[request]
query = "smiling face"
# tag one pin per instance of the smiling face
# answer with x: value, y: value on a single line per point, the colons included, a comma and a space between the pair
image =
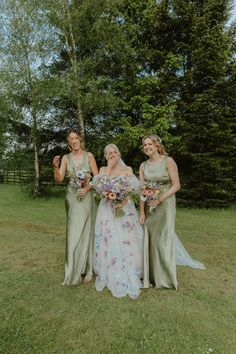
x: 111, y: 154
x: 149, y: 147
x: 74, y: 141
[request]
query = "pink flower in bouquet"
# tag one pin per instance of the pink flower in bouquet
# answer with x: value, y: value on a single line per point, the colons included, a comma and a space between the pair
x: 116, y: 190
x: 151, y: 191
x: 144, y: 192
x: 112, y: 196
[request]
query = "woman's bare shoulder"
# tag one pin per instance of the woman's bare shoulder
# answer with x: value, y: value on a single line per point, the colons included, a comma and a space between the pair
x: 64, y: 158
x: 127, y: 170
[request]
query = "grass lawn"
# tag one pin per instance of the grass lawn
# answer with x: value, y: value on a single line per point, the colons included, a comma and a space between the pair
x: 39, y: 315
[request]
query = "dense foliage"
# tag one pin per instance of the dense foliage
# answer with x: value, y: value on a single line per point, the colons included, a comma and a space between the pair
x: 118, y: 70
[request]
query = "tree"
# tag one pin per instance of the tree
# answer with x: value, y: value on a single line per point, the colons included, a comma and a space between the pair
x: 120, y: 69
x: 206, y: 103
x: 24, y: 47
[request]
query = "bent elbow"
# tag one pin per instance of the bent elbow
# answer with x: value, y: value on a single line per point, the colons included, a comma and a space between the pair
x: 58, y: 180
x: 177, y: 187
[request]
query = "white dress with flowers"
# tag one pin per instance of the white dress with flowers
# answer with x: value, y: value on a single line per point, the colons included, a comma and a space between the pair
x: 118, y: 248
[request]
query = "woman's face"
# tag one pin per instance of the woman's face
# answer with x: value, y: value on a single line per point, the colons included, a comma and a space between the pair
x: 112, y: 154
x: 74, y: 141
x: 149, y: 147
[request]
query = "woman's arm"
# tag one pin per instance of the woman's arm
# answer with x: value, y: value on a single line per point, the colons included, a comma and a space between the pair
x: 141, y: 203
x: 174, y: 177
x: 59, y: 173
x: 172, y: 170
x: 93, y: 164
x: 111, y: 162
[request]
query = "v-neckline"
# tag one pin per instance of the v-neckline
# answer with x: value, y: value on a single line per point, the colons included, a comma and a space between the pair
x: 73, y: 163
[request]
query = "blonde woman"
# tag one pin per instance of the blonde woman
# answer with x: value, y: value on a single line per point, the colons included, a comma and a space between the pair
x: 159, y: 180
x: 118, y: 235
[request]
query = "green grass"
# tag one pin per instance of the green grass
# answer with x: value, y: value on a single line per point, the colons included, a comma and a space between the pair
x: 38, y: 315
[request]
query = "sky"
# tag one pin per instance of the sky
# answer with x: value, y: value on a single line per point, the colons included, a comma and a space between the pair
x: 234, y: 11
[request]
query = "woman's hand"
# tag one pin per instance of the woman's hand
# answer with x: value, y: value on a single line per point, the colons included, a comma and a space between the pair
x: 56, y: 161
x: 112, y: 161
x: 81, y: 193
x: 59, y: 172
x: 154, y: 202
x: 142, y: 217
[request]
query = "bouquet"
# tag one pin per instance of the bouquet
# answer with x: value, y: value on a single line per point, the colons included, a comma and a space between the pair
x: 115, y: 190
x: 151, y: 190
x: 79, y: 179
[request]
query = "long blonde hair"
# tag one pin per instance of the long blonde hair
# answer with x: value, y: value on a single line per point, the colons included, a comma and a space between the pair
x: 157, y: 141
x: 111, y: 146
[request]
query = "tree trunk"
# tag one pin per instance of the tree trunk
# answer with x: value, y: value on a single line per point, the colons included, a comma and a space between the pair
x: 36, y: 155
x: 72, y: 52
x: 36, y: 168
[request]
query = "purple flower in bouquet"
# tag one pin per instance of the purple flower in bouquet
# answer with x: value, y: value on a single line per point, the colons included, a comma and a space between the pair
x: 78, y: 179
x: 115, y: 190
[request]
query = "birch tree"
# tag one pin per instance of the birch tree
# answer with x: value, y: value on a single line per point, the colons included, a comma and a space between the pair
x: 23, y: 51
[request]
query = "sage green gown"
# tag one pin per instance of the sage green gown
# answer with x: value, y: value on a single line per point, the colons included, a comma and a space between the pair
x: 79, y: 230
x: 159, y: 239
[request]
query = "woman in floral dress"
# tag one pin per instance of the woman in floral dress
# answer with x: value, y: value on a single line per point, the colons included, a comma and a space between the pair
x: 78, y: 165
x: 118, y: 234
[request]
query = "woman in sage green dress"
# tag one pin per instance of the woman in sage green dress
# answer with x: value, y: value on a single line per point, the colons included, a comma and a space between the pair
x: 162, y: 249
x: 78, y: 165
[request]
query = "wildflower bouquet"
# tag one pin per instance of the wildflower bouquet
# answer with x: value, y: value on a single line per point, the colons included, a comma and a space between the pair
x: 151, y: 190
x: 115, y: 190
x: 79, y: 179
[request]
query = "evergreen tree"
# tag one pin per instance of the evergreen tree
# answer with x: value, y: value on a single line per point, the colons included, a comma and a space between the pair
x: 120, y: 86
x: 205, y: 112
x: 146, y: 92
x: 120, y: 69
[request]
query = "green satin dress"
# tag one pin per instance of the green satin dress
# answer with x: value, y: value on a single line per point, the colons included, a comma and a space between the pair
x: 159, y: 239
x: 79, y: 230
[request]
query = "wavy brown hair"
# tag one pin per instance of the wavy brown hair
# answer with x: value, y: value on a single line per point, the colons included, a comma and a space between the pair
x: 77, y: 132
x: 157, y: 141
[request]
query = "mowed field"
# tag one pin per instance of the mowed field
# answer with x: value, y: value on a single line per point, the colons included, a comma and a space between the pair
x: 39, y: 315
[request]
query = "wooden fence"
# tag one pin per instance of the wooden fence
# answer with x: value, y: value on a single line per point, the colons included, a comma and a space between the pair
x: 16, y: 176
x: 25, y: 177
